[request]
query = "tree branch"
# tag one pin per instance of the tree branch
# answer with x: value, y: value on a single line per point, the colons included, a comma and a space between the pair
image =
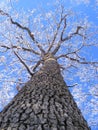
x: 24, y: 28
x: 77, y: 60
x: 72, y: 34
x: 26, y: 66
x: 25, y: 49
x: 63, y: 18
x: 73, y: 52
x: 67, y: 38
x: 70, y: 86
x: 38, y: 63
x: 62, y: 33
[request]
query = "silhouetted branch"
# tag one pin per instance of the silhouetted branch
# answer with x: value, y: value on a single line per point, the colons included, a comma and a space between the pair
x: 24, y: 28
x: 56, y: 49
x: 17, y: 47
x: 21, y: 60
x: 70, y: 86
x: 77, y: 60
x: 72, y: 34
x: 65, y: 24
x: 67, y: 38
x: 26, y: 66
x: 73, y: 52
x: 37, y: 64
x: 63, y: 18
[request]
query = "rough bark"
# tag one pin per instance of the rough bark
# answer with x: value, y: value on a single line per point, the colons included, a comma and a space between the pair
x: 44, y: 103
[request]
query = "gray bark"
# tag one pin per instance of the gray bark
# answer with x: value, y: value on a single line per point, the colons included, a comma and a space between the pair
x: 44, y: 103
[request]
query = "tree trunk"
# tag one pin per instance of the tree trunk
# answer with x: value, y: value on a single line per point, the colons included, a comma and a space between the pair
x: 44, y: 103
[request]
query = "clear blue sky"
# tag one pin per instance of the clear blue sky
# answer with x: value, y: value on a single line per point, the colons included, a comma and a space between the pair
x: 84, y: 8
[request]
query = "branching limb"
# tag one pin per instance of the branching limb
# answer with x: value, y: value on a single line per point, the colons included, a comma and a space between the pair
x: 68, y: 37
x: 72, y: 34
x: 30, y: 50
x: 24, y: 28
x: 26, y: 66
x: 63, y: 18
x: 77, y: 60
x: 73, y: 52
x: 17, y: 47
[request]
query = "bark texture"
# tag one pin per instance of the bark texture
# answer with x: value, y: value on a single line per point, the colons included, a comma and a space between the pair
x: 44, y: 103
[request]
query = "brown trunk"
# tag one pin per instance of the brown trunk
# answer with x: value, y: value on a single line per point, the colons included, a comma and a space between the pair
x: 44, y: 103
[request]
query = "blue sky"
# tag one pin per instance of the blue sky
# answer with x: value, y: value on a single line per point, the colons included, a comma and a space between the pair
x: 87, y: 9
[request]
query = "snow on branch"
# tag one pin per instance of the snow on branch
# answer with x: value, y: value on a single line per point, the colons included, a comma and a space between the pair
x: 95, y: 63
x: 68, y: 37
x: 25, y: 49
x: 26, y: 66
x: 30, y: 71
x: 24, y: 28
x: 63, y: 18
x: 72, y: 34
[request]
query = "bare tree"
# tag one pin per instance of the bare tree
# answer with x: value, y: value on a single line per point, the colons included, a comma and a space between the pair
x: 27, y: 40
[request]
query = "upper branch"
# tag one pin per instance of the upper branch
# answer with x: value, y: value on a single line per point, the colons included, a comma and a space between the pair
x: 68, y: 37
x: 63, y: 18
x: 16, y: 47
x: 83, y: 61
x: 24, y: 28
x: 72, y: 34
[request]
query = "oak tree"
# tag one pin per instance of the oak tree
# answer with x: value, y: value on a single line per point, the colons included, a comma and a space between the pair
x: 28, y: 39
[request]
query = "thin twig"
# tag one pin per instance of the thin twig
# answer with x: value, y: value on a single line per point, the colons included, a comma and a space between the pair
x: 17, y: 47
x: 77, y: 60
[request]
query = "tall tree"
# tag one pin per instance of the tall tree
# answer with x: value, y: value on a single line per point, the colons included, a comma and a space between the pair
x: 25, y: 41
x: 44, y: 103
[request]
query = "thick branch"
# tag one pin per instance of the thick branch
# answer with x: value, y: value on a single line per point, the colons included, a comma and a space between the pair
x: 26, y: 66
x: 57, y: 48
x: 24, y: 28
x: 37, y: 64
x: 65, y: 24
